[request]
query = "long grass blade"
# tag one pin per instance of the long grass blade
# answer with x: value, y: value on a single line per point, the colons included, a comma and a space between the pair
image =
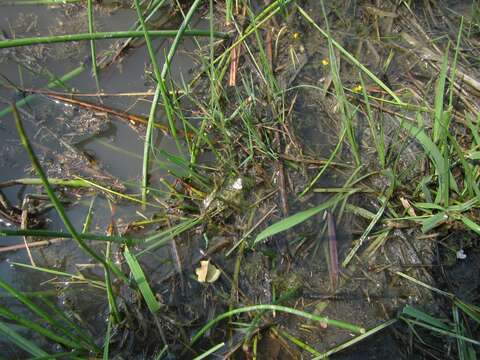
x: 439, y: 124
x: 148, y: 141
x: 9, y: 43
x: 320, y: 319
x: 22, y: 321
x: 93, y: 51
x: 296, y: 219
x: 139, y: 276
x: 350, y: 57
x: 20, y: 341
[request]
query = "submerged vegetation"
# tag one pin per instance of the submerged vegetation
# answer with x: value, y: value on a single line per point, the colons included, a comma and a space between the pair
x: 320, y: 189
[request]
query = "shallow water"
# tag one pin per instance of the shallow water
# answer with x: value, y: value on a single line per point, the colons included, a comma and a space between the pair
x: 42, y: 117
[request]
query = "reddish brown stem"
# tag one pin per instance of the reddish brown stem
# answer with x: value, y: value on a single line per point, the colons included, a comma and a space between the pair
x: 332, y: 245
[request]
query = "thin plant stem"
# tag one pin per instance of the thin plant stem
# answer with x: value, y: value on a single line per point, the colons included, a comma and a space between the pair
x: 103, y: 35
x: 91, y: 30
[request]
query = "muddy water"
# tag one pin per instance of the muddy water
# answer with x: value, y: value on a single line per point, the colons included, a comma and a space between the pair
x: 51, y: 124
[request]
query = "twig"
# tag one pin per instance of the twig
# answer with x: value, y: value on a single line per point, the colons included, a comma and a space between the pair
x: 121, y: 114
x: 4, y: 249
x: 232, y: 79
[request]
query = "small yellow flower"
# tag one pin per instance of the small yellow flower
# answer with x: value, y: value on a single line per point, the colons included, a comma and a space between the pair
x: 296, y: 35
x: 325, y: 62
x: 357, y: 89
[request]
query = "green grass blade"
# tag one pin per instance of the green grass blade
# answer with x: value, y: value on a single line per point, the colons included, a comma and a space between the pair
x: 445, y: 178
x: 471, y: 310
x: 439, y: 124
x: 161, y: 84
x: 147, y: 145
x: 327, y: 164
x: 372, y: 223
x: 209, y: 351
x: 93, y: 51
x: 433, y: 221
x: 470, y: 224
x: 296, y: 219
x: 346, y: 113
x: 73, y: 329
x: 9, y: 43
x: 376, y: 129
x: 106, y: 343
x: 323, y: 320
x: 424, y: 317
x: 22, y: 321
x: 74, y: 183
x: 356, y: 339
x: 33, y: 307
x: 20, y: 341
x: 164, y: 237
x: 88, y: 217
x: 141, y: 280
x: 299, y: 343
x: 442, y: 331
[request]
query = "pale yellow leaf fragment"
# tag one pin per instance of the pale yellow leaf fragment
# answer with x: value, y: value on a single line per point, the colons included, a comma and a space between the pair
x: 407, y: 206
x: 207, y: 272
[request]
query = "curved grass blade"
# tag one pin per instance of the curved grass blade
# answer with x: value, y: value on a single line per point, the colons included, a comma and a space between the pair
x: 161, y: 85
x: 322, y: 320
x: 209, y: 351
x: 372, y: 223
x: 445, y: 177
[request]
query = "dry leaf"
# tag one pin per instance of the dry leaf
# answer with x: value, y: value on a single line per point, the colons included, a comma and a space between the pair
x: 207, y: 272
x: 407, y: 206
